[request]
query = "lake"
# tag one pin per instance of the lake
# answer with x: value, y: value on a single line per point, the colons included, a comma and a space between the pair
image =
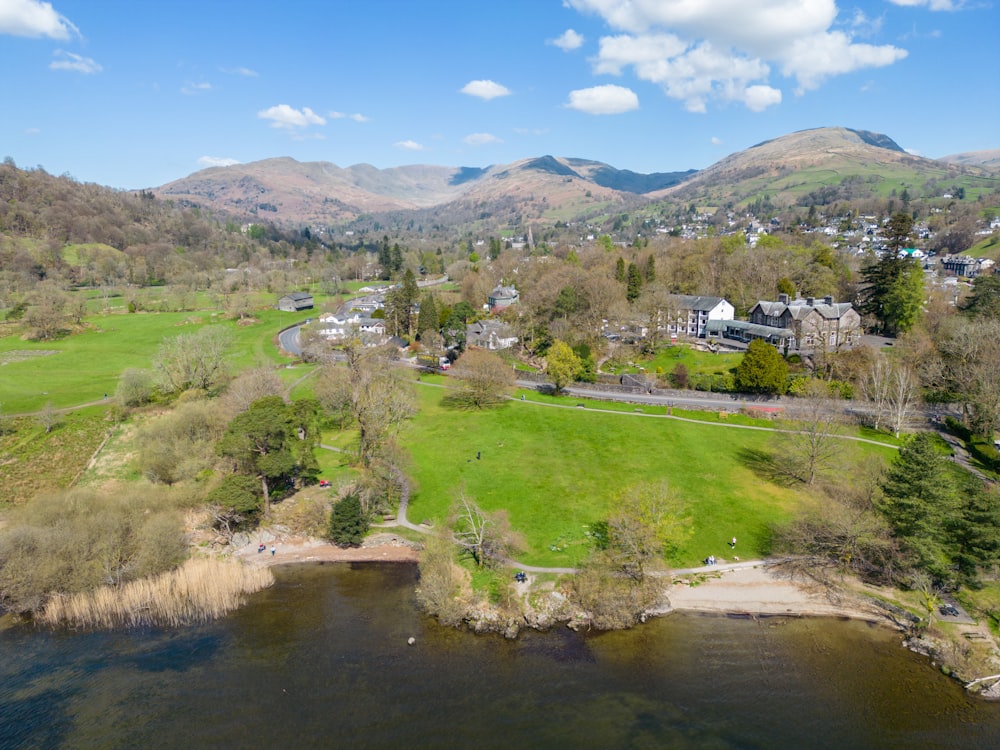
x: 321, y: 660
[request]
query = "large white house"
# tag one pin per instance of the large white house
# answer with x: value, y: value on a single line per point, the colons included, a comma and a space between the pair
x: 688, y: 314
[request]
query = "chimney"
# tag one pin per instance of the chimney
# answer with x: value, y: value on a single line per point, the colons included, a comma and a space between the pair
x: 811, y: 301
x: 783, y: 299
x: 828, y: 300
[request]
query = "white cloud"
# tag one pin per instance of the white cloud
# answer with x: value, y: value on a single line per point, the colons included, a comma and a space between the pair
x: 715, y: 141
x: 408, y: 146
x: 481, y: 139
x: 32, y: 18
x: 863, y: 25
x: 357, y: 116
x: 246, y: 72
x: 603, y: 100
x: 190, y: 89
x: 567, y: 41
x: 75, y: 63
x: 289, y: 118
x: 931, y: 4
x: 216, y: 161
x: 758, y: 97
x: 724, y: 50
x: 485, y: 89
x: 833, y: 53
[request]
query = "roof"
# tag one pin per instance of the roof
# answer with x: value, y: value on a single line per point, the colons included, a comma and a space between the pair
x: 697, y: 302
x: 504, y: 292
x: 297, y: 296
x: 800, y: 308
x: 755, y: 329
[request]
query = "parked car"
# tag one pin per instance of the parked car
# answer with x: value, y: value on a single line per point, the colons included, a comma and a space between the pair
x: 949, y: 610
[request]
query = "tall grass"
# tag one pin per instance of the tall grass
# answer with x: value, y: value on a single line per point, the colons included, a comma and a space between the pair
x: 198, y: 591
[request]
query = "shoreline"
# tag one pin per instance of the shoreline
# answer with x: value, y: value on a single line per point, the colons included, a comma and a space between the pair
x: 758, y: 590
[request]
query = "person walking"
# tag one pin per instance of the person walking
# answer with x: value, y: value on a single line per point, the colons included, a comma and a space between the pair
x: 733, y: 543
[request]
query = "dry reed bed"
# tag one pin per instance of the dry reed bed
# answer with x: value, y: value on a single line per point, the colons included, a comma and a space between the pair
x: 198, y: 591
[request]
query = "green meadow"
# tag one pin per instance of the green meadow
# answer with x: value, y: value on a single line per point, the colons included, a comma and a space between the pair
x: 556, y: 471
x: 83, y: 367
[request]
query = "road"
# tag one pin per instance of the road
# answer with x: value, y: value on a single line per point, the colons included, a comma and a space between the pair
x: 289, y: 340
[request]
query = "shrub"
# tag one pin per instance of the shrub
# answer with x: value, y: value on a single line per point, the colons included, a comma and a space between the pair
x: 74, y: 542
x: 348, y: 524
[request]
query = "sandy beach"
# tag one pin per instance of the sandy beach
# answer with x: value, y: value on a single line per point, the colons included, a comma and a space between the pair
x: 763, y: 590
x: 377, y: 548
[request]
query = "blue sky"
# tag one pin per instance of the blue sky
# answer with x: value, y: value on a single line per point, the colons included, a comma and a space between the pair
x: 138, y: 93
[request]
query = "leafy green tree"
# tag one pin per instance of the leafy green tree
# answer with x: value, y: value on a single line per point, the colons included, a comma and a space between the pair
x: 898, y: 231
x: 238, y: 499
x: 588, y: 367
x: 427, y: 319
x: 893, y: 293
x: 762, y: 370
x: 984, y: 302
x: 786, y: 286
x: 921, y: 504
x: 650, y: 522
x: 567, y: 303
x: 348, y: 523
x: 978, y: 531
x: 649, y: 272
x: 633, y: 283
x: 562, y: 364
x: 620, y: 269
x: 264, y: 441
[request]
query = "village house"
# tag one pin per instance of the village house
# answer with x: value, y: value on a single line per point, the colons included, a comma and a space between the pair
x: 963, y: 265
x: 689, y: 314
x: 338, y: 328
x: 502, y: 297
x: 369, y: 303
x: 490, y: 334
x: 295, y: 301
x: 808, y: 324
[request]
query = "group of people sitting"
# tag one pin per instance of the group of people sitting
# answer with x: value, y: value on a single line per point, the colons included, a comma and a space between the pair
x: 710, y: 560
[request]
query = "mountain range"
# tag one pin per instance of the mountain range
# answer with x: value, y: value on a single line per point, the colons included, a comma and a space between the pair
x: 811, y: 166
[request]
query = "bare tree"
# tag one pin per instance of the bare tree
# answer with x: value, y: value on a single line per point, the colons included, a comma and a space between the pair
x: 192, y: 360
x: 251, y: 385
x: 813, y: 445
x: 380, y: 398
x: 903, y: 397
x: 487, y: 537
x: 48, y: 417
x: 971, y: 353
x: 485, y: 378
x: 874, y: 386
x: 46, y: 313
x: 892, y: 391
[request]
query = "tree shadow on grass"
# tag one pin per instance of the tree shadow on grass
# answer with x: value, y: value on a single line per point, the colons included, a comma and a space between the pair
x: 767, y: 465
x: 459, y: 402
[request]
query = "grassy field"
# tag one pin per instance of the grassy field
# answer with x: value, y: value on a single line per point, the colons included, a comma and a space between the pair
x: 33, y: 461
x: 558, y: 470
x: 82, y: 368
x: 697, y: 362
x: 988, y: 247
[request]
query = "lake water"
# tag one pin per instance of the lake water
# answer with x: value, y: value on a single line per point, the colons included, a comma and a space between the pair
x: 321, y: 660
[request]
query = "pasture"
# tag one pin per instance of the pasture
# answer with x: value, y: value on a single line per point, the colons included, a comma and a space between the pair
x: 83, y: 367
x: 558, y: 470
